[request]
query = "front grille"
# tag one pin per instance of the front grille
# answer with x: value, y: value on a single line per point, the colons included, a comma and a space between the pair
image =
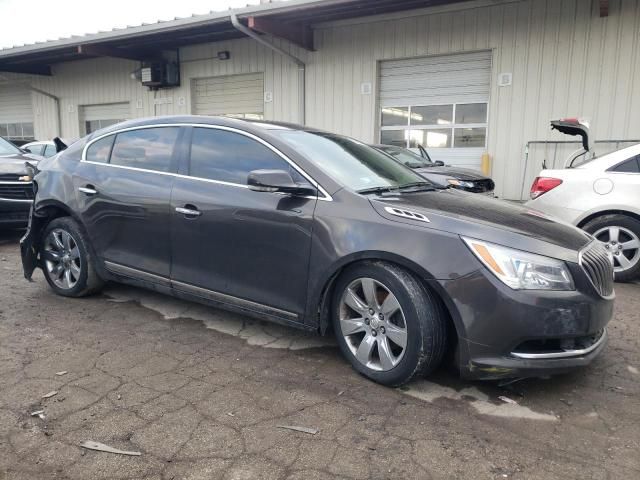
x: 9, y: 177
x: 596, y: 263
x: 16, y: 191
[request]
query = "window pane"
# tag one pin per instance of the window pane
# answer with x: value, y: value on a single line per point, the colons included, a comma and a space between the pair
x: 49, y: 150
x: 27, y: 130
x: 471, y: 113
x: 393, y: 137
x: 151, y: 148
x: 432, y: 115
x: 35, y: 149
x: 229, y: 157
x: 430, y: 138
x: 100, y: 150
x: 91, y: 126
x: 628, y: 166
x: 470, y: 137
x: 3, y: 130
x: 395, y: 116
x: 14, y: 130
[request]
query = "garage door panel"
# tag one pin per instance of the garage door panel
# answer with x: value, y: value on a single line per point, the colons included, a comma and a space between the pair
x: 229, y: 95
x: 15, y: 104
x: 443, y: 80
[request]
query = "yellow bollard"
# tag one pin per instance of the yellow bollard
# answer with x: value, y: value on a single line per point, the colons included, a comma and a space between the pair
x: 485, y: 164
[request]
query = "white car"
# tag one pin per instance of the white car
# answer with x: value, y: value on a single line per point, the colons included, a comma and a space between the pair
x: 601, y: 196
x: 45, y: 148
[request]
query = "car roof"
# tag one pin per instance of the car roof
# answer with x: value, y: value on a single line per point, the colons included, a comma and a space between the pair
x: 610, y: 159
x: 242, y: 124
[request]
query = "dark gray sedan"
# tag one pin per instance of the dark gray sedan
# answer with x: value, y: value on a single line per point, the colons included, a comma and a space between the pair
x: 321, y: 232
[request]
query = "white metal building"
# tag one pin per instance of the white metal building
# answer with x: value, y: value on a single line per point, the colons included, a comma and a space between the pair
x: 460, y: 77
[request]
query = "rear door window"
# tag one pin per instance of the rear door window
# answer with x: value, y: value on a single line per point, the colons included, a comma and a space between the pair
x: 148, y: 149
x: 229, y: 157
x: 100, y: 150
x: 631, y: 165
x: 49, y: 150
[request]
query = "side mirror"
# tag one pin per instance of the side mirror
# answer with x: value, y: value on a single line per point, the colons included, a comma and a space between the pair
x: 439, y: 163
x: 277, y: 181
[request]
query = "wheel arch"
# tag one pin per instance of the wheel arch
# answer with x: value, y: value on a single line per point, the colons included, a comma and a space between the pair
x: 602, y: 213
x: 321, y: 302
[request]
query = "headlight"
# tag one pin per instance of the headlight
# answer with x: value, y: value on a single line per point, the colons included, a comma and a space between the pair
x: 459, y: 183
x: 521, y: 270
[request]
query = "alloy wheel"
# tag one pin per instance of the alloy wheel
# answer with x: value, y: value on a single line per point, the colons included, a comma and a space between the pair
x: 62, y: 258
x: 622, y: 244
x: 373, y: 324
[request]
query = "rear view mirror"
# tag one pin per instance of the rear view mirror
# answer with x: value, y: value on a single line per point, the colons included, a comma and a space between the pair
x: 277, y: 181
x: 439, y: 163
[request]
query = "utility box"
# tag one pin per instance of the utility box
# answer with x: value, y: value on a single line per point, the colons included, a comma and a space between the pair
x: 160, y: 74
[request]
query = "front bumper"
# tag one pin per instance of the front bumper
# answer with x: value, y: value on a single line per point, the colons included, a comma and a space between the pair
x: 14, y: 213
x: 505, y: 333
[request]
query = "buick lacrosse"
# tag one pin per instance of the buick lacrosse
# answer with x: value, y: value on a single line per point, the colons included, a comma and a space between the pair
x: 322, y: 232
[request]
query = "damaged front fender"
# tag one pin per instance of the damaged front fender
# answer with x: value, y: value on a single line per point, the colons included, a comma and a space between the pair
x: 30, y: 241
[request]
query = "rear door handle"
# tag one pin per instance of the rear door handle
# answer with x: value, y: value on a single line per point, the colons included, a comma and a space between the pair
x: 88, y: 190
x: 189, y: 211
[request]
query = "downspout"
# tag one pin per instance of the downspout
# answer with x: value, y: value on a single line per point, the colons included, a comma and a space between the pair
x: 57, y: 101
x: 301, y: 65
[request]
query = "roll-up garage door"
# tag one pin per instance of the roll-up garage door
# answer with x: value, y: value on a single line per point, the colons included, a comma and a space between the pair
x: 95, y: 117
x: 16, y: 113
x: 233, y: 95
x: 440, y: 102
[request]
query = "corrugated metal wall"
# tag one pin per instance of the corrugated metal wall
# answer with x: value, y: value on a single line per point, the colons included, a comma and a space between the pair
x: 565, y: 61
x: 108, y: 80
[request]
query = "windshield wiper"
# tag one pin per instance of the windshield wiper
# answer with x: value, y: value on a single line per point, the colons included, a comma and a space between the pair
x: 377, y: 190
x: 417, y: 186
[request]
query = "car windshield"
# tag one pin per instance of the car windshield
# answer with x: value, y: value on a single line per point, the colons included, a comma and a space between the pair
x: 407, y: 157
x: 351, y: 163
x: 7, y: 148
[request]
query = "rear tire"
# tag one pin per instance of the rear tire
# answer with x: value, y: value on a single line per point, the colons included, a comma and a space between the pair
x: 387, y: 324
x: 67, y: 262
x: 621, y: 236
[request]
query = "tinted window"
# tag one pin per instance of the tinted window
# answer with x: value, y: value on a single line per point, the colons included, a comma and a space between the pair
x: 100, y: 150
x: 628, y: 166
x: 229, y: 157
x: 49, y: 150
x: 150, y: 148
x: 35, y: 149
x: 407, y: 157
x: 352, y: 163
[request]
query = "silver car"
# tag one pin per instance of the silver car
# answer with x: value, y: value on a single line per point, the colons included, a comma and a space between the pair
x: 602, y: 196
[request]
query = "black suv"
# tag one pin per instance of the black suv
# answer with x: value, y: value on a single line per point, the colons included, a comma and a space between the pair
x: 16, y: 190
x: 321, y: 232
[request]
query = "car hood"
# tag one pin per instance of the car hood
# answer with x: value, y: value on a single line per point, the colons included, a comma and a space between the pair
x: 489, y: 219
x: 14, y: 164
x: 454, y: 172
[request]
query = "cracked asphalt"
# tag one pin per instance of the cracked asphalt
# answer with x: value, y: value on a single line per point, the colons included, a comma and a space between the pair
x: 201, y: 398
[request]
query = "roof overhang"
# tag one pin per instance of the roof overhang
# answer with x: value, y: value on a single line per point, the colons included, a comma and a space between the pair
x: 292, y: 20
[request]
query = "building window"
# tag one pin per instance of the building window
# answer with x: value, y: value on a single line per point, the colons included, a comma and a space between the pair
x: 93, y: 125
x: 246, y: 116
x: 22, y: 132
x: 454, y: 125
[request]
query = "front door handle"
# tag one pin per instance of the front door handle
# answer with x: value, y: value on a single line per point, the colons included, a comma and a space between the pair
x: 189, y: 211
x: 88, y: 190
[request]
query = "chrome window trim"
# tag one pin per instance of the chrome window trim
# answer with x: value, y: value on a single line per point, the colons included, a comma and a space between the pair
x: 565, y: 353
x: 325, y: 195
x: 14, y: 183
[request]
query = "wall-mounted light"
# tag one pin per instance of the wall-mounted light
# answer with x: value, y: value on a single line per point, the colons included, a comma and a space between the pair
x: 224, y: 55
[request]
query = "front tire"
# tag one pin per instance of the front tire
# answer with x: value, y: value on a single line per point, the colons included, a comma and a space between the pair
x: 67, y: 261
x: 621, y: 236
x: 388, y: 325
